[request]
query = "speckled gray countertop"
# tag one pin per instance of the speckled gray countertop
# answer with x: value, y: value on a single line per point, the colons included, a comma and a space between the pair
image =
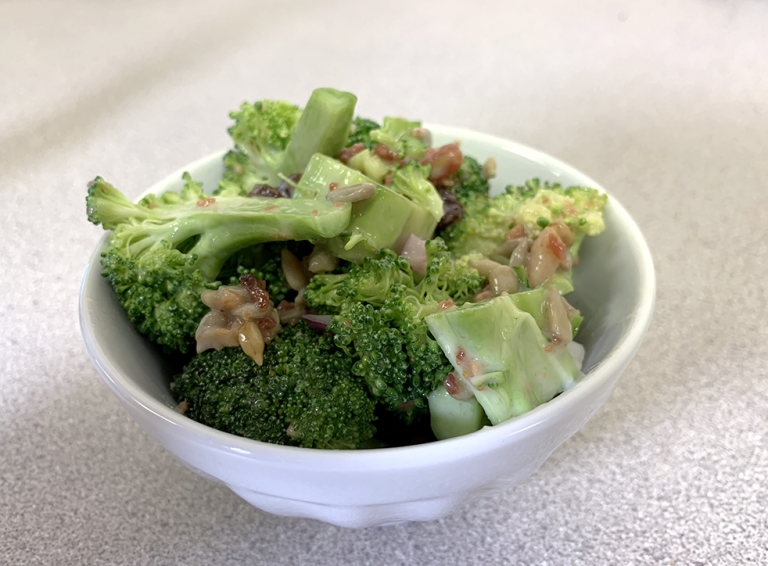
x: 666, y: 103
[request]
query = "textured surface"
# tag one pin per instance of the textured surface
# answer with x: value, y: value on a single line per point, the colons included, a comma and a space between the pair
x: 665, y: 102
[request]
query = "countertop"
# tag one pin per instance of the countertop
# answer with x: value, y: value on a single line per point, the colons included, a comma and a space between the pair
x: 665, y: 103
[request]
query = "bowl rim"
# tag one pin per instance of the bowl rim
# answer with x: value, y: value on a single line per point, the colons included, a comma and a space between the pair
x: 404, y: 456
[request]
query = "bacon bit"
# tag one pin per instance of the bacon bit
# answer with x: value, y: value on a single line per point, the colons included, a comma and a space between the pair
x: 451, y: 385
x: 474, y: 368
x: 266, y: 323
x: 385, y: 153
x: 315, y: 212
x: 349, y: 152
x: 271, y: 207
x: 445, y: 161
x: 446, y: 305
x: 203, y: 202
x: 256, y: 289
x: 557, y: 247
x: 484, y: 295
x: 285, y: 306
x: 460, y: 356
x: 332, y: 187
x: 407, y: 405
x: 548, y: 348
x: 388, y: 179
x: 516, y: 232
x: 153, y: 205
x: 338, y: 205
x: 563, y: 231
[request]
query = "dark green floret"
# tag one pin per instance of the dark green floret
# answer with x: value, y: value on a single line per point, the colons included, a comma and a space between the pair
x: 381, y: 306
x: 470, y: 181
x: 360, y: 132
x: 304, y: 395
x: 264, y: 262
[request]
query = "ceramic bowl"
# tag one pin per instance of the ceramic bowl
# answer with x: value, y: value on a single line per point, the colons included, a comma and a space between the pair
x: 615, y: 289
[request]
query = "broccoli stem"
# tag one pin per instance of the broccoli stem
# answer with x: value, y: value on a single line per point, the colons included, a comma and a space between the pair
x: 322, y: 128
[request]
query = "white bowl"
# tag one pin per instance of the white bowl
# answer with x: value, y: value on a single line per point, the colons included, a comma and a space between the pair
x: 615, y: 289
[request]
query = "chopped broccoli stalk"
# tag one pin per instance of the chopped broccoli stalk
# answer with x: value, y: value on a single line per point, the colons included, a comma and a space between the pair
x: 275, y: 137
x: 323, y: 128
x: 303, y: 395
x: 412, y: 181
x: 160, y: 259
x: 450, y: 417
x: 396, y: 134
x: 532, y: 301
x: 360, y: 132
x: 366, y: 233
x: 371, y: 165
x: 321, y: 171
x: 516, y: 372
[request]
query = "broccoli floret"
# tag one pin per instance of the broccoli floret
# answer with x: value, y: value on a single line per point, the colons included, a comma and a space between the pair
x: 261, y: 133
x: 158, y: 290
x: 192, y: 192
x: 469, y: 181
x: 534, y: 205
x: 274, y: 138
x: 304, y: 394
x: 483, y: 226
x: 380, y: 321
x: 160, y: 259
x: 581, y: 208
x: 377, y: 279
x: 360, y: 132
x: 370, y: 281
x: 397, y: 135
x: 448, y: 279
x: 412, y: 181
x: 397, y: 357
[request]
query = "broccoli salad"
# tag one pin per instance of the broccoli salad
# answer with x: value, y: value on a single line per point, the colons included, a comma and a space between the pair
x: 349, y: 285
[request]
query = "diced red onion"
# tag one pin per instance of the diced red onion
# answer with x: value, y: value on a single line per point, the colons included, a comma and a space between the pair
x: 318, y: 321
x: 415, y: 251
x: 577, y: 351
